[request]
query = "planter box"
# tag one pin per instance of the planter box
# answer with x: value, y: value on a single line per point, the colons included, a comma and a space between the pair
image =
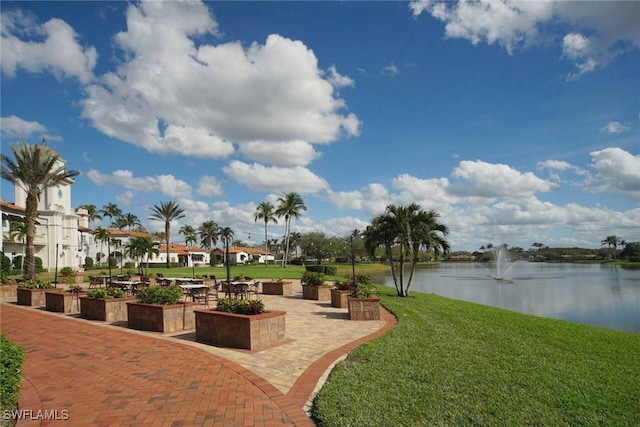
x: 277, y: 288
x: 364, y: 308
x: 319, y: 293
x: 339, y: 298
x: 105, y: 309
x: 255, y: 332
x: 62, y: 302
x: 31, y: 297
x: 8, y: 291
x: 161, y: 318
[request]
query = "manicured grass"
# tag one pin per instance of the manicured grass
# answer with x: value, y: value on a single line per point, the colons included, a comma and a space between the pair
x: 450, y: 363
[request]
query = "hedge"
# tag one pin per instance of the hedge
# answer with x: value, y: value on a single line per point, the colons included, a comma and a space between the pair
x: 11, y: 360
x: 324, y: 269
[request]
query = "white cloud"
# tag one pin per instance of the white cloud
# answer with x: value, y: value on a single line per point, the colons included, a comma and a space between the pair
x: 497, y: 180
x: 209, y: 186
x: 612, y: 26
x: 613, y: 128
x: 15, y: 127
x: 262, y: 178
x: 289, y: 153
x: 390, y: 70
x: 338, y: 80
x: 555, y: 164
x: 617, y: 171
x: 373, y: 199
x: 126, y: 198
x: 173, y: 96
x: 165, y: 184
x: 60, y: 52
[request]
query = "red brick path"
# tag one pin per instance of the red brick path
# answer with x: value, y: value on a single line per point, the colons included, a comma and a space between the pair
x: 106, y: 377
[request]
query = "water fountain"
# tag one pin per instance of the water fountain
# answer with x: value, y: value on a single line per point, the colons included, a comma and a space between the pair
x: 502, y: 263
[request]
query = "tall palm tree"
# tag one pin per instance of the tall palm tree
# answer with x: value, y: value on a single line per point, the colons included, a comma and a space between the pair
x: 36, y: 167
x: 208, y: 234
x: 92, y: 213
x: 408, y: 229
x: 167, y: 212
x: 112, y: 211
x: 190, y: 235
x: 289, y: 206
x: 19, y: 233
x: 265, y: 211
x: 226, y: 234
x: 120, y: 223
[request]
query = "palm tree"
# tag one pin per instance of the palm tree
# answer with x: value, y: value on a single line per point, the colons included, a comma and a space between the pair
x: 289, y: 206
x: 130, y: 220
x: 19, y: 233
x: 226, y: 234
x: 407, y: 228
x: 102, y: 235
x: 167, y: 212
x: 112, y: 211
x: 141, y: 247
x: 208, y: 234
x: 36, y: 167
x: 190, y: 235
x: 265, y: 212
x: 92, y: 213
x: 120, y: 223
x: 612, y: 241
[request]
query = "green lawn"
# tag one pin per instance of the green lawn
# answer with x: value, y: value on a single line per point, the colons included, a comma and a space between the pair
x: 455, y: 363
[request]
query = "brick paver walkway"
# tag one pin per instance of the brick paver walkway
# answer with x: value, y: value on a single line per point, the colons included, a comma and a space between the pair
x: 103, y: 376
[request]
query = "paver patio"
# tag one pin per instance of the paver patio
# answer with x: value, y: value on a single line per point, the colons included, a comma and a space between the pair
x: 108, y: 375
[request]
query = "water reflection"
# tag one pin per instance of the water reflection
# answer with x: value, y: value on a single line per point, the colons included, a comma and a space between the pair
x: 593, y: 294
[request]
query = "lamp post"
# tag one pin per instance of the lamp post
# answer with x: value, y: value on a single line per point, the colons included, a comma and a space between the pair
x: 353, y: 260
x: 55, y: 279
x: 193, y: 267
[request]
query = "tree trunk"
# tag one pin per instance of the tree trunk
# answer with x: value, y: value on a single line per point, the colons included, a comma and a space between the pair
x: 31, y: 211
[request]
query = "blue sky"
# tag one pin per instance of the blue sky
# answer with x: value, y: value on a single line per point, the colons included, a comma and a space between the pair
x: 517, y: 121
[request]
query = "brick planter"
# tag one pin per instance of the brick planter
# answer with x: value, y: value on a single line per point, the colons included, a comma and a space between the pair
x: 8, y: 290
x: 62, y: 302
x: 31, y: 297
x: 319, y: 293
x: 162, y: 318
x: 339, y: 298
x: 255, y: 332
x: 364, y: 308
x: 277, y: 288
x: 105, y: 309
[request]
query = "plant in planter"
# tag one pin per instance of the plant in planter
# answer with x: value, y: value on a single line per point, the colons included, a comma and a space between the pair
x: 278, y: 287
x: 67, y: 301
x: 363, y: 304
x: 161, y: 309
x: 340, y: 293
x: 32, y: 293
x: 106, y: 304
x: 240, y: 324
x: 313, y: 287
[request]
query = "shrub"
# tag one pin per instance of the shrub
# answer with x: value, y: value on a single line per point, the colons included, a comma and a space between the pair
x: 11, y: 360
x: 88, y: 263
x: 241, y: 306
x: 165, y: 295
x: 106, y: 293
x: 314, y: 268
x: 342, y: 286
x: 38, y: 262
x: 330, y: 271
x: 363, y: 286
x: 312, y: 279
x: 34, y: 284
x: 6, y: 263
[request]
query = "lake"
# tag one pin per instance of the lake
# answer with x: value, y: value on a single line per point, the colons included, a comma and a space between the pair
x: 592, y: 294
